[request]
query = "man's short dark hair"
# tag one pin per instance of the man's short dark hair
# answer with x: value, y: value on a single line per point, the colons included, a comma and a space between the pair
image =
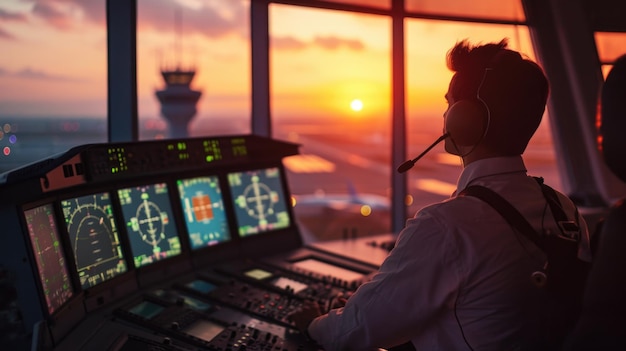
x: 515, y: 90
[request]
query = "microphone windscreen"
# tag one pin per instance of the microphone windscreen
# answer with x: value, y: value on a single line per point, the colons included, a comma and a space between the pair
x: 405, y: 166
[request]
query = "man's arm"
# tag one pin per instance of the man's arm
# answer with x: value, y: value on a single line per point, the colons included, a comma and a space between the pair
x: 419, y: 278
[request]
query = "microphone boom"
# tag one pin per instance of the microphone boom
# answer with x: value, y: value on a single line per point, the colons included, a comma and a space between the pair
x: 410, y: 163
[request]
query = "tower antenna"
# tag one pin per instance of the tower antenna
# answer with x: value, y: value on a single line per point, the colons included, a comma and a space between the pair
x: 178, y: 100
x: 178, y: 36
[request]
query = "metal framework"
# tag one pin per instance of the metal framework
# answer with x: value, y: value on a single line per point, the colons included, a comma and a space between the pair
x: 565, y: 48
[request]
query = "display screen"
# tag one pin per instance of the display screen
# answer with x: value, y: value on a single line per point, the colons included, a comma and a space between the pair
x: 48, y: 252
x: 148, y: 217
x: 203, y: 211
x: 204, y: 329
x: 147, y: 309
x: 285, y: 283
x: 196, y: 304
x: 201, y: 286
x: 258, y: 274
x: 259, y: 201
x: 188, y: 301
x: 94, y: 238
x: 328, y: 269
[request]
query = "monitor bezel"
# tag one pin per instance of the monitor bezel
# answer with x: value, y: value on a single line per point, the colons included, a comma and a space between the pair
x: 168, y: 267
x: 220, y: 181
x: 69, y: 260
x: 108, y: 291
x: 115, y: 215
x: 69, y: 314
x: 273, y: 241
x: 204, y: 256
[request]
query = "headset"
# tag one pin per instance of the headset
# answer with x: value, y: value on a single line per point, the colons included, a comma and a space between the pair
x: 467, y: 121
x: 466, y: 124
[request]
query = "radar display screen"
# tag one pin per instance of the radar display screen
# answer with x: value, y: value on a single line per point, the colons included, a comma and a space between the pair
x: 94, y: 238
x: 147, y: 213
x: 51, y: 264
x: 203, y: 210
x: 259, y: 201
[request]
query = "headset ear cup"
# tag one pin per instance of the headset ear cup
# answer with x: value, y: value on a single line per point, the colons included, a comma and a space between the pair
x: 465, y: 122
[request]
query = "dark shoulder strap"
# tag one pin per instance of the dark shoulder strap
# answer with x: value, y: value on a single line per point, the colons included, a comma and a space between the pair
x: 553, y: 200
x: 506, y: 210
x: 569, y: 229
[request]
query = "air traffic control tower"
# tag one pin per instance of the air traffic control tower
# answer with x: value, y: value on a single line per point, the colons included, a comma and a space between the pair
x: 178, y: 101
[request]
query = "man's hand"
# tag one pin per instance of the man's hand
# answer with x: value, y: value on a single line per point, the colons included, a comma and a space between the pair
x: 340, y: 300
x: 305, y: 314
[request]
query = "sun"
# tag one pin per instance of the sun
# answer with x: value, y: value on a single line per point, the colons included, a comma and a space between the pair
x: 356, y: 105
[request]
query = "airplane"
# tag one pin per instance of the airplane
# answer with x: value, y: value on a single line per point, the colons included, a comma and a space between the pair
x: 365, y: 204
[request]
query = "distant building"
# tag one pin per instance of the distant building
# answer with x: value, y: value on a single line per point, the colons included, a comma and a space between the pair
x: 178, y: 101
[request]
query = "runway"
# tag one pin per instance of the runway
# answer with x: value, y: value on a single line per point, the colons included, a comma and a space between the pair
x: 332, y: 168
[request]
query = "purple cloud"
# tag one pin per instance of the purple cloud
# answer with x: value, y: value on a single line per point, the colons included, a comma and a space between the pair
x: 11, y: 16
x: 328, y: 43
x: 287, y: 43
x: 40, y: 75
x: 48, y: 12
x: 208, y: 20
x: 334, y: 43
x: 6, y: 16
x: 6, y: 35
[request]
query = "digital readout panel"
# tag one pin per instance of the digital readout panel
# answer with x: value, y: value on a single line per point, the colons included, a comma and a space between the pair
x: 48, y: 252
x: 94, y: 238
x: 149, y: 223
x: 259, y: 201
x: 203, y: 211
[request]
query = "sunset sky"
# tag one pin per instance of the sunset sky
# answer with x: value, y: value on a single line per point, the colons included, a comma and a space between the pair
x: 321, y: 60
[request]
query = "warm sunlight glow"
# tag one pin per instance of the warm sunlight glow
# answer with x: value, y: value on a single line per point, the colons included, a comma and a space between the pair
x: 356, y: 105
x: 435, y: 186
x: 366, y: 210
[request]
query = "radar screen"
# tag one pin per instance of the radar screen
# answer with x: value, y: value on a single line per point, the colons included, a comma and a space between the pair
x: 147, y: 213
x: 51, y: 264
x: 203, y: 210
x: 259, y: 201
x: 94, y: 238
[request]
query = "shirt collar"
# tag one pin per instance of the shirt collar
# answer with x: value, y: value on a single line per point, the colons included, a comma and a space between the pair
x: 489, y: 167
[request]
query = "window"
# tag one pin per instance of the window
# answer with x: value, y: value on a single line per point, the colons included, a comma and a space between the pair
x: 330, y: 92
x: 54, y: 80
x: 203, y: 49
x: 610, y: 47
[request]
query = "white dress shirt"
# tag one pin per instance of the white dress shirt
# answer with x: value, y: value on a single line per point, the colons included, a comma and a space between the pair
x: 458, y: 277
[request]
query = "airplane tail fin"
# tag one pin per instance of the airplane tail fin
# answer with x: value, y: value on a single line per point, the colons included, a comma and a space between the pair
x: 354, y: 196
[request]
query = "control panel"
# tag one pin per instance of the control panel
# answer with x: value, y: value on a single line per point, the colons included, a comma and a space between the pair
x: 195, y: 323
x: 164, y: 245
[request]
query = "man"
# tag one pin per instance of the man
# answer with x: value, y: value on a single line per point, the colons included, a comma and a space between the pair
x: 459, y: 276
